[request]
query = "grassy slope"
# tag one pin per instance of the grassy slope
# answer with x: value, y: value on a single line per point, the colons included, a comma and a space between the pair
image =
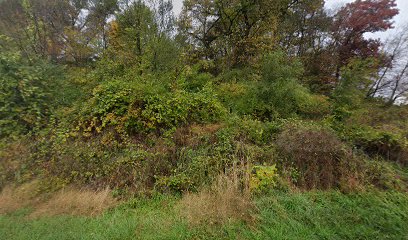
x: 313, y: 215
x: 334, y: 216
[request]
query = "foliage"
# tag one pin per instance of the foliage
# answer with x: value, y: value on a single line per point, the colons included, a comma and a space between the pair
x: 242, y: 96
x: 321, y: 159
x: 28, y: 93
x: 131, y: 108
x: 263, y: 178
x: 282, y: 90
x: 357, y: 18
x: 256, y: 131
x: 140, y: 39
x: 386, y: 175
x: 232, y: 33
x: 273, y: 93
x: 376, y: 142
x: 57, y: 30
x: 355, y: 80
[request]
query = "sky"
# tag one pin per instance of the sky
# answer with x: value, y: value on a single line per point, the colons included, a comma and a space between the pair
x: 400, y: 20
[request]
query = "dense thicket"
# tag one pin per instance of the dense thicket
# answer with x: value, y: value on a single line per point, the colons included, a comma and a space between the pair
x: 126, y: 94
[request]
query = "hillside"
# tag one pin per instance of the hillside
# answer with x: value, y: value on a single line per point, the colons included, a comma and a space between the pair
x: 234, y: 120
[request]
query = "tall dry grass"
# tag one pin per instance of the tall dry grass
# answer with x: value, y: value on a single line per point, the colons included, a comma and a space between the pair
x: 76, y: 202
x: 14, y: 198
x: 228, y: 199
x: 69, y: 201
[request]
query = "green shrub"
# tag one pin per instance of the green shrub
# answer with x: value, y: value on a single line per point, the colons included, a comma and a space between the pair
x: 243, y: 98
x: 315, y: 106
x: 272, y: 93
x: 280, y: 87
x: 14, y: 155
x: 202, y: 153
x: 174, y: 184
x: 255, y: 131
x: 172, y: 110
x: 263, y: 178
x: 355, y: 80
x: 135, y: 108
x: 197, y: 81
x: 376, y: 142
x: 27, y: 93
x: 385, y: 175
x: 95, y: 163
x: 383, y: 118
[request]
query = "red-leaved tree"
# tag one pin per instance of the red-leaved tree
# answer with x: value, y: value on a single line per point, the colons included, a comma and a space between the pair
x: 354, y: 20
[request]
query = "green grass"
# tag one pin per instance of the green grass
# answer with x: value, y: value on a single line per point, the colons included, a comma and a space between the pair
x: 332, y: 215
x: 311, y: 215
x: 137, y: 219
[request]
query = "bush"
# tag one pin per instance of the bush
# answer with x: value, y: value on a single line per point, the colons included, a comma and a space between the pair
x: 176, y: 183
x: 14, y: 154
x: 242, y: 98
x: 385, y: 176
x: 96, y: 163
x: 197, y: 81
x: 27, y: 93
x: 320, y: 158
x: 272, y: 93
x: 375, y: 142
x: 355, y: 81
x: 172, y: 110
x: 200, y: 156
x: 202, y: 152
x: 281, y: 89
x: 263, y: 178
x: 136, y: 108
x: 254, y: 131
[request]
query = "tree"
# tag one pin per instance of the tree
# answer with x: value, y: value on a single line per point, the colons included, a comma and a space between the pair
x: 60, y: 30
x: 141, y: 37
x: 14, y: 25
x: 165, y: 19
x: 304, y: 33
x: 163, y: 49
x: 355, y: 80
x: 232, y: 32
x: 27, y: 93
x: 392, y: 80
x: 353, y: 21
x: 99, y: 13
x: 304, y: 27
x: 197, y: 22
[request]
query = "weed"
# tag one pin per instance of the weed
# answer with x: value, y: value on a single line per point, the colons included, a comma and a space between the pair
x: 14, y: 198
x: 225, y: 201
x: 76, y: 202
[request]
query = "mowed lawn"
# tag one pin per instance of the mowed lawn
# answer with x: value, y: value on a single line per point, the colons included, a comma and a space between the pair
x: 310, y: 215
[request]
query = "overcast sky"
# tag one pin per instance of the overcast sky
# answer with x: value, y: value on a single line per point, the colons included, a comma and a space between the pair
x: 400, y: 20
